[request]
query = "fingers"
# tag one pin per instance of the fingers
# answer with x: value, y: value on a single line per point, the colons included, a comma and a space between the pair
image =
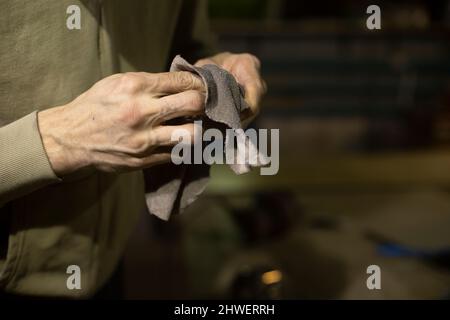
x: 253, y: 94
x: 188, y: 103
x: 246, y: 69
x: 254, y: 90
x: 155, y: 159
x: 172, y: 135
x: 158, y: 140
x: 133, y: 163
x: 174, y: 82
x: 217, y: 59
x: 203, y: 62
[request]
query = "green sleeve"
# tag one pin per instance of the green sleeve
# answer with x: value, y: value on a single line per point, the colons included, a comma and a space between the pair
x: 24, y: 166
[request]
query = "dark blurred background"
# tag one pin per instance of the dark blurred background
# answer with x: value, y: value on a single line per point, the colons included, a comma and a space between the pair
x: 364, y: 119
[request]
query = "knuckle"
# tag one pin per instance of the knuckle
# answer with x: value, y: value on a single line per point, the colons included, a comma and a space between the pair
x: 131, y: 82
x: 184, y: 79
x: 196, y: 100
x: 165, y: 107
x: 137, y: 146
x: 257, y: 61
x: 204, y: 61
x: 251, y: 58
x: 247, y: 55
x: 152, y: 139
x: 154, y: 81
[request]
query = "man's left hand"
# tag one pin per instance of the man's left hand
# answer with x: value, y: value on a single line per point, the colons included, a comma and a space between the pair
x: 245, y: 68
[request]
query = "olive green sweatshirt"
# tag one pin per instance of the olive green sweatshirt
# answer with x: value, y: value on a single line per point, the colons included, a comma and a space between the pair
x: 46, y: 223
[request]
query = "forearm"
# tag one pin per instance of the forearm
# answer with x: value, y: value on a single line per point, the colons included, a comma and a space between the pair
x: 117, y: 125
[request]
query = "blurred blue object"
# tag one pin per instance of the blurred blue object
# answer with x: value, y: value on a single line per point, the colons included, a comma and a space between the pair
x: 440, y: 256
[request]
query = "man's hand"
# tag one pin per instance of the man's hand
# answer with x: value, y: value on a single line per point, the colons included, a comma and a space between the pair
x: 118, y: 124
x: 245, y: 68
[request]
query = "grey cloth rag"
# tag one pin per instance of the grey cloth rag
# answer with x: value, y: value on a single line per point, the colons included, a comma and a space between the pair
x: 170, y: 188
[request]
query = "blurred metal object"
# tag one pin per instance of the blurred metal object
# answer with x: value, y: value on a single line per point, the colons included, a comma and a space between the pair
x: 251, y: 275
x: 262, y: 282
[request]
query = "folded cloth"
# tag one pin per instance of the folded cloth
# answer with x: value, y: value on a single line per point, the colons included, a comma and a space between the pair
x: 170, y: 188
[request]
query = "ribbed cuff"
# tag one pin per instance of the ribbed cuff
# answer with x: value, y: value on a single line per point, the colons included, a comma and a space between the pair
x: 24, y: 165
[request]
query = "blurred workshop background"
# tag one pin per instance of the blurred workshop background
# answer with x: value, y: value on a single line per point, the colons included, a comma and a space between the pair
x: 364, y: 179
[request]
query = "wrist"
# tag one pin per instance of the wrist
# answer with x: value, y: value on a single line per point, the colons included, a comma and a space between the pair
x: 59, y: 152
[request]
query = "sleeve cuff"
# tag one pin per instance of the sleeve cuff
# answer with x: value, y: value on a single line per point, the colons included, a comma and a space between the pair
x: 24, y: 165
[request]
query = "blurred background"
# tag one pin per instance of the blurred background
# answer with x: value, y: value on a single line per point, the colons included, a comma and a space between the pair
x: 364, y: 119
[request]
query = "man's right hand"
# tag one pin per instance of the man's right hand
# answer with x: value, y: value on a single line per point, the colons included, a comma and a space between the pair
x: 119, y: 123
